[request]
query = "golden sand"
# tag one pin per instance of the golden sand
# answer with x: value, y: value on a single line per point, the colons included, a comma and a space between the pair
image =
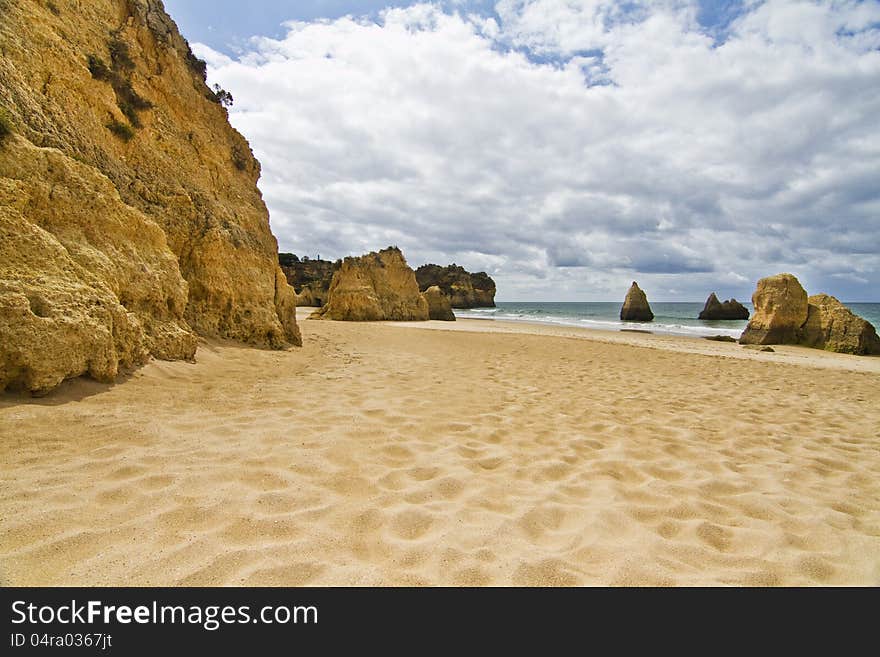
x: 479, y: 453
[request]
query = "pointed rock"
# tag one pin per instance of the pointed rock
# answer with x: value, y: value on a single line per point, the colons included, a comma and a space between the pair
x: 635, y: 306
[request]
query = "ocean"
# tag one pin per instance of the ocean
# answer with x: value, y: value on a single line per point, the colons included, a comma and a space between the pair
x: 678, y: 318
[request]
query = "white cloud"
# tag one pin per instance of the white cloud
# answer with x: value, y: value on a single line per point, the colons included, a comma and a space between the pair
x: 670, y: 157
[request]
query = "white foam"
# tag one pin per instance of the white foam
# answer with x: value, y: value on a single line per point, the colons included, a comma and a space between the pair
x: 598, y: 324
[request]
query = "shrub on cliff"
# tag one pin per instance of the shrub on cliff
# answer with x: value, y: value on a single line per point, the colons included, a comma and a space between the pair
x: 222, y: 97
x: 129, y: 101
x: 5, y: 124
x: 119, y: 54
x: 198, y: 65
x: 98, y: 69
x: 120, y: 129
x: 125, y: 93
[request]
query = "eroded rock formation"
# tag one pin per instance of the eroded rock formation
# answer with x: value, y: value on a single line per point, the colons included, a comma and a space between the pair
x: 731, y: 309
x: 374, y: 287
x: 438, y: 304
x: 309, y: 277
x: 129, y: 211
x: 831, y: 325
x: 635, y: 306
x: 780, y: 305
x: 464, y: 290
x: 784, y: 315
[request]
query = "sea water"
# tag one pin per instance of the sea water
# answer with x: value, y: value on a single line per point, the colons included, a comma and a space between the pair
x: 678, y: 318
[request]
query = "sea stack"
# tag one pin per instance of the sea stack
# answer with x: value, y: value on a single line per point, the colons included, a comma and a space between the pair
x: 780, y: 304
x: 438, y: 304
x: 715, y: 309
x: 635, y: 306
x: 374, y: 287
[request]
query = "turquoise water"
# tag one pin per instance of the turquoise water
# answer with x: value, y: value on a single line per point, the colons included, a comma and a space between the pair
x: 670, y: 318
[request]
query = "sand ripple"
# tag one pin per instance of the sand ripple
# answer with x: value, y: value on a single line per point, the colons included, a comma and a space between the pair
x: 381, y: 455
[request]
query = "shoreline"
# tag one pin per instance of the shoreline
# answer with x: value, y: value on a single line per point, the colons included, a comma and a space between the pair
x: 783, y: 354
x: 382, y: 455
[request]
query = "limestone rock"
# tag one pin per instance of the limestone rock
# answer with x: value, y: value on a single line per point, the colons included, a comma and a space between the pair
x: 374, y: 287
x: 87, y: 283
x: 462, y: 288
x: 780, y: 311
x: 635, y: 306
x: 784, y: 315
x: 438, y: 304
x: 309, y: 297
x: 831, y: 325
x: 715, y: 309
x: 309, y: 277
x: 129, y: 211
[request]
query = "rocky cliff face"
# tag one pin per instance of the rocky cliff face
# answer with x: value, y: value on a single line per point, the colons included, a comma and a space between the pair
x: 635, y: 306
x: 715, y: 309
x: 464, y: 290
x: 309, y: 277
x: 374, y: 287
x: 129, y: 212
x: 780, y: 304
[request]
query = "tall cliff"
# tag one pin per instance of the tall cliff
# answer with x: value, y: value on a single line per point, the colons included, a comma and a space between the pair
x: 130, y: 219
x: 464, y: 289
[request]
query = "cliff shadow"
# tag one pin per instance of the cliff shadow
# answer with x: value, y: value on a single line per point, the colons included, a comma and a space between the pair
x: 70, y: 390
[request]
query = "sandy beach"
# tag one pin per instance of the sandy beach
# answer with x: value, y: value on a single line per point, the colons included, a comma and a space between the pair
x: 474, y: 453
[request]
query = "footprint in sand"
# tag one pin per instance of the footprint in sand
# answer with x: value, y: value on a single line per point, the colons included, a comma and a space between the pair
x: 246, y: 530
x: 472, y: 576
x: 557, y: 471
x: 115, y: 496
x: 491, y: 463
x: 549, y: 572
x: 448, y: 488
x: 397, y: 452
x: 669, y: 529
x: 537, y: 522
x: 718, y: 537
x: 127, y: 472
x: 411, y: 524
x: 816, y: 568
x: 423, y: 474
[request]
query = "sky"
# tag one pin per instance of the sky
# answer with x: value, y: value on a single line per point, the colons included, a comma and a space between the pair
x: 566, y: 147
